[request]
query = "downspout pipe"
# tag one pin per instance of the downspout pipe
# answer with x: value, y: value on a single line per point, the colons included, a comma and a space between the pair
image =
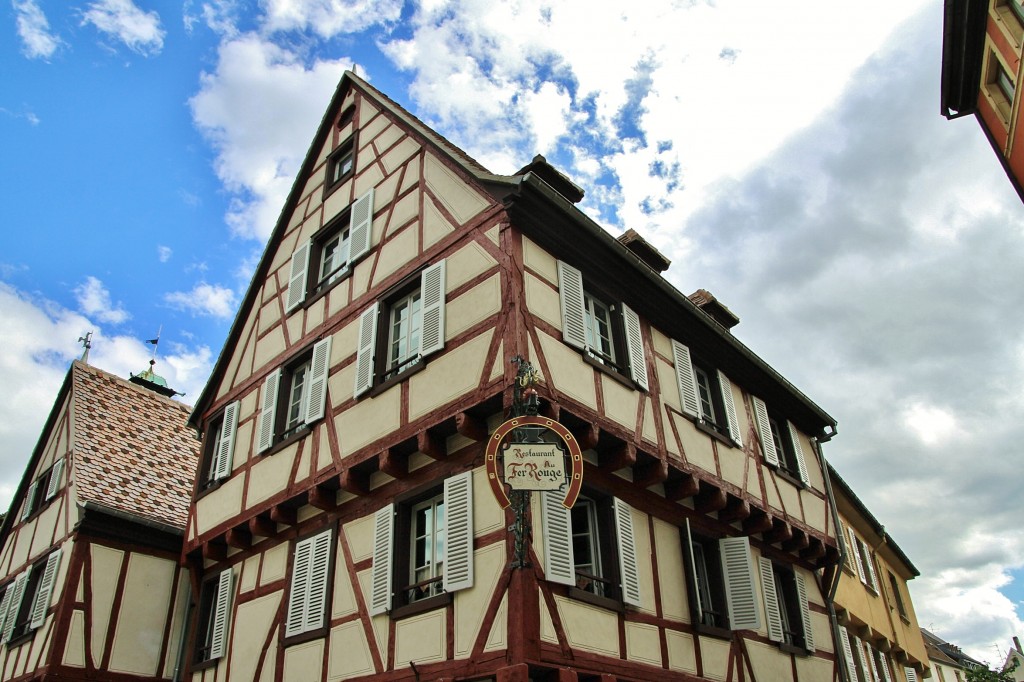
x: 844, y: 674
x: 179, y: 661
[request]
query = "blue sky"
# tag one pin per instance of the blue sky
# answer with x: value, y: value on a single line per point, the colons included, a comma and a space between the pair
x: 803, y: 174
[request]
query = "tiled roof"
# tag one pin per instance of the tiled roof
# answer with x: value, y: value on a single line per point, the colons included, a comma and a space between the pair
x: 132, y: 448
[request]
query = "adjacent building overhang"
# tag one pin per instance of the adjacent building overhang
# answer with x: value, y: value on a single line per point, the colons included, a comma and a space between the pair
x: 963, y: 42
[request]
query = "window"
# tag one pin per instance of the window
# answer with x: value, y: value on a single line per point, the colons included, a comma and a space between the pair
x: 307, y: 597
x: 591, y: 547
x: 423, y: 548
x: 853, y: 657
x: 999, y: 86
x: 706, y: 395
x: 781, y: 446
x: 26, y: 600
x: 214, y: 617
x: 607, y: 333
x: 42, y: 490
x: 413, y: 327
x: 879, y: 664
x: 328, y: 256
x: 219, y: 448
x: 1011, y: 15
x: 706, y: 584
x: 294, y: 396
x: 341, y: 163
x: 897, y: 595
x: 861, y: 558
x: 785, y: 605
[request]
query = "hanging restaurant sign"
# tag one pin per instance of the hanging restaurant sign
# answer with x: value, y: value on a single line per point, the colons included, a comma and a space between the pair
x: 535, y: 465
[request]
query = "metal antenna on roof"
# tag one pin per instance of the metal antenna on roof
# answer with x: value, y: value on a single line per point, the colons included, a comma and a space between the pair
x: 86, y: 342
x: 155, y: 343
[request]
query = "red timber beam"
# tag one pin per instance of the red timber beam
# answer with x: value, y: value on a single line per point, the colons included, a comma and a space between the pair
x: 758, y: 522
x: 681, y: 487
x: 355, y: 482
x: 710, y: 498
x: 431, y: 446
x: 736, y: 509
x: 780, y: 532
x: 323, y: 498
x: 238, y: 537
x: 262, y: 526
x: 470, y: 427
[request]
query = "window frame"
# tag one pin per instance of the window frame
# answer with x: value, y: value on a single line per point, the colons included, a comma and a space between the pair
x: 787, y: 610
x: 31, y: 594
x: 994, y: 71
x: 346, y: 149
x: 707, y: 585
x: 901, y: 606
x: 43, y: 490
x: 274, y: 429
x: 719, y: 389
x: 319, y: 551
x: 217, y: 459
x: 781, y: 447
x: 213, y: 612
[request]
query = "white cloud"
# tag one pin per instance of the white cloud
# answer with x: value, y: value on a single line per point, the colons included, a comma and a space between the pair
x: 220, y: 16
x: 94, y: 299
x: 139, y: 30
x: 328, y: 18
x: 204, y: 299
x: 34, y: 30
x: 163, y: 253
x: 931, y: 424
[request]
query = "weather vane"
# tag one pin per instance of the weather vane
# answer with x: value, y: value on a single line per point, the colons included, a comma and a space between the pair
x: 86, y: 342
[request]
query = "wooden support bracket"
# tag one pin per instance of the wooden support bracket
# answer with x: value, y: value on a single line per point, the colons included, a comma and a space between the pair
x: 355, y: 482
x: 710, y: 498
x: 262, y: 526
x: 470, y: 427
x: 798, y: 542
x: 281, y: 514
x: 239, y: 538
x: 394, y: 464
x: 431, y: 446
x: 681, y: 488
x: 651, y: 473
x: 323, y: 498
x: 587, y: 436
x: 215, y: 551
x: 780, y: 532
x: 618, y: 457
x: 758, y: 522
x: 737, y: 509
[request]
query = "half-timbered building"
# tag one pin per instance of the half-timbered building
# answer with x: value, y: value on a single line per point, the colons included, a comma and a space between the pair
x: 91, y: 585
x: 343, y: 524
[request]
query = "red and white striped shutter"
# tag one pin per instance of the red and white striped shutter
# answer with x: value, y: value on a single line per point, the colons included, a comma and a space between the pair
x: 380, y: 575
x: 458, y: 510
x: 739, y: 583
x: 226, y: 447
x: 297, y: 276
x: 559, y: 562
x: 764, y: 430
x: 730, y: 408
x: 316, y: 588
x: 42, y: 602
x: 771, y: 600
x: 693, y: 570
x: 685, y: 379
x: 570, y: 298
x: 15, y: 607
x: 365, y: 350
x: 319, y: 367
x: 299, y: 592
x: 219, y: 631
x: 853, y: 555
x: 360, y: 226
x: 30, y: 498
x: 635, y: 346
x: 798, y: 450
x: 805, y: 611
x: 626, y: 542
x: 851, y: 666
x: 268, y: 412
x: 55, y: 473
x: 432, y: 283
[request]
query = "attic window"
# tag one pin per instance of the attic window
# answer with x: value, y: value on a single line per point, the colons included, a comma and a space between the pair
x: 341, y: 163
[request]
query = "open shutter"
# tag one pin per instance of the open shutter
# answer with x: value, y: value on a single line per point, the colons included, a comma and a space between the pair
x: 299, y: 592
x: 570, y: 298
x: 871, y: 663
x: 851, y: 666
x: 764, y: 430
x: 869, y: 559
x: 219, y: 631
x: 55, y: 474
x: 771, y: 600
x: 693, y: 569
x: 805, y: 612
x: 360, y: 226
x: 626, y: 542
x: 458, y: 509
x: 910, y: 673
x: 30, y: 498
x: 685, y: 380
x: 5, y: 606
x: 42, y: 602
x: 226, y: 447
x: 432, y: 282
x: 316, y: 396
x: 798, y: 450
x: 268, y: 411
x: 15, y: 606
x: 380, y: 575
x: 858, y: 651
x: 739, y: 583
x: 852, y: 553
x: 316, y: 588
x: 559, y: 562
x: 364, y: 352
x: 635, y: 345
x: 297, y: 276
x: 730, y: 408
x: 884, y: 663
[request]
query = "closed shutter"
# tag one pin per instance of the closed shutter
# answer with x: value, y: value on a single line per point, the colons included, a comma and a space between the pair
x: 696, y: 581
x: 858, y: 651
x: 316, y: 396
x: 852, y: 553
x: 55, y: 474
x: 219, y: 630
x: 268, y: 413
x: 360, y: 226
x: 30, y: 499
x: 226, y: 447
x: 458, y: 509
x: 15, y: 606
x: 432, y: 283
x: 626, y: 542
x: 685, y: 380
x: 635, y: 346
x: 798, y: 450
x: 42, y: 602
x: 365, y: 350
x: 771, y: 600
x: 570, y: 298
x: 316, y: 587
x: 559, y: 562
x: 297, y: 277
x: 739, y: 583
x: 764, y: 430
x: 380, y: 575
x: 805, y: 612
x: 911, y: 674
x: 871, y: 663
x: 730, y: 408
x: 5, y: 606
x: 851, y: 666
x: 297, y: 595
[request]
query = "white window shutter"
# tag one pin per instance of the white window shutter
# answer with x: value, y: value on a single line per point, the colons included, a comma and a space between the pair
x: 635, y: 346
x: 858, y: 650
x: 224, y: 457
x: 15, y: 606
x: 871, y: 663
x: 297, y: 277
x: 740, y: 594
x: 559, y: 562
x: 851, y: 666
x: 380, y: 575
x: 42, y: 602
x: 432, y: 283
x: 268, y: 412
x: 685, y: 379
x: 693, y: 570
x: 625, y: 540
x: 805, y: 611
x: 5, y: 606
x: 316, y: 396
x: 764, y: 430
x: 771, y: 600
x: 365, y: 350
x: 869, y: 559
x: 570, y: 298
x: 798, y: 450
x: 911, y: 674
x: 316, y: 588
x: 853, y: 553
x: 30, y: 498
x: 219, y: 629
x: 299, y: 591
x: 458, y: 509
x: 360, y: 226
x: 883, y: 659
x: 730, y: 408
x: 55, y: 474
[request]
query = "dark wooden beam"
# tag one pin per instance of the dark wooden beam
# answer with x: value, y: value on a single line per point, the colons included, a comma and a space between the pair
x: 262, y: 526
x: 355, y: 482
x: 799, y: 541
x: 737, y: 509
x: 282, y: 514
x: 323, y: 498
x: 758, y: 522
x: 470, y: 427
x: 394, y: 463
x: 239, y: 538
x: 651, y: 473
x: 780, y: 532
x: 587, y: 436
x: 681, y: 488
x: 431, y: 446
x: 619, y: 457
x: 710, y: 498
x: 215, y: 551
